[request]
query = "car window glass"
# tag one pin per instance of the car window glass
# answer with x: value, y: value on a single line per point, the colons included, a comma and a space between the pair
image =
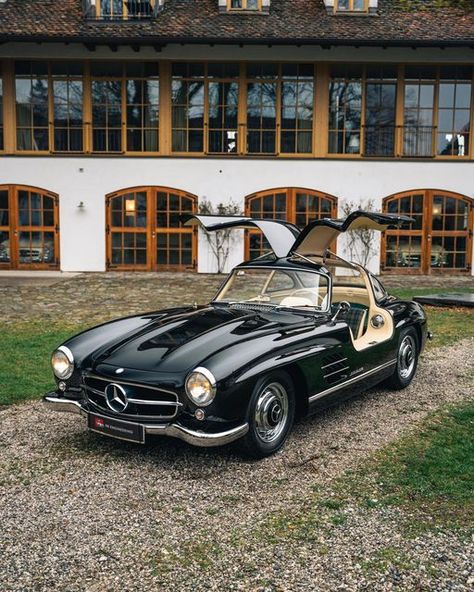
x: 288, y: 288
x: 379, y: 291
x: 280, y: 281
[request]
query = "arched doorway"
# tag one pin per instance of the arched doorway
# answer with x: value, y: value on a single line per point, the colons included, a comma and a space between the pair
x: 440, y: 239
x: 29, y: 228
x: 293, y: 204
x: 144, y: 231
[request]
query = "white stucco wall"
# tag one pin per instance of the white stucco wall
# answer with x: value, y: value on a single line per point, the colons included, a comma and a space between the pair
x: 82, y: 236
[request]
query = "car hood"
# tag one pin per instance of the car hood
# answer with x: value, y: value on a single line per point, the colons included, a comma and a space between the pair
x: 181, y: 340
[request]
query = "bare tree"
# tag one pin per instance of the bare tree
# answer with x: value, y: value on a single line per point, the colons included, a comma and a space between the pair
x: 361, y: 243
x: 220, y: 241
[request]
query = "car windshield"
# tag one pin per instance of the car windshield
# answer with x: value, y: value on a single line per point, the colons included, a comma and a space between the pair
x: 278, y: 287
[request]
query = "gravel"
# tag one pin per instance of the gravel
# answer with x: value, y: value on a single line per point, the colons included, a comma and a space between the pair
x: 83, y: 513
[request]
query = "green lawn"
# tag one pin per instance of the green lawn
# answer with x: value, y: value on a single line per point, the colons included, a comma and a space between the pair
x: 430, y: 472
x: 26, y: 347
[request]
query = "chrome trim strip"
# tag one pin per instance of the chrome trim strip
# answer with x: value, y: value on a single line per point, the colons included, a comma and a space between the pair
x: 64, y: 405
x: 67, y: 352
x: 164, y: 403
x: 132, y: 416
x: 175, y: 430
x: 334, y: 363
x: 198, y: 438
x: 138, y: 401
x: 119, y: 381
x: 336, y: 372
x: 350, y: 381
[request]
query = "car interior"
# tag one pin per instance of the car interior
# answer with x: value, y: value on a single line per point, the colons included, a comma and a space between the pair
x: 368, y: 322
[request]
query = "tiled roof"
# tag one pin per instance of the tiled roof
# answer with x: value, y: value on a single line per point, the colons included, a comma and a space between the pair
x: 290, y: 21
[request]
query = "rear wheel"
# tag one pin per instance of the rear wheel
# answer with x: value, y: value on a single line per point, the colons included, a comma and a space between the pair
x: 270, y: 415
x: 407, y: 360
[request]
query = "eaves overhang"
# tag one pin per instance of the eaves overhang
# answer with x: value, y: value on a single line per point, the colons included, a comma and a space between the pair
x: 150, y: 40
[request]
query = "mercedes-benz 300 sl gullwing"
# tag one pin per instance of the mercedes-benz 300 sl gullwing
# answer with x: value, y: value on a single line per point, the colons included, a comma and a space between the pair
x: 288, y: 333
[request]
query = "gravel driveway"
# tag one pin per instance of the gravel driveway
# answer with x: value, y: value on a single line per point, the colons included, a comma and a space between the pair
x: 81, y: 512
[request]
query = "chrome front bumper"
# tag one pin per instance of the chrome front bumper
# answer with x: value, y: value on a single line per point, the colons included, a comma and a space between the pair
x: 175, y: 430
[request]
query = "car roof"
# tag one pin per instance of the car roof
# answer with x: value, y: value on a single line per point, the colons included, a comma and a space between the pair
x: 284, y: 263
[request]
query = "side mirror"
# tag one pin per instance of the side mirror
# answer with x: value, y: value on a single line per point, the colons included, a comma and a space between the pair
x: 343, y: 306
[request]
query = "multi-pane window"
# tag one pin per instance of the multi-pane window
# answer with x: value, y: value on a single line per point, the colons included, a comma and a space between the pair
x: 188, y: 107
x: 280, y: 105
x: 297, y: 104
x: 125, y: 97
x: 380, y: 107
x: 244, y: 4
x: 223, y: 98
x: 262, y: 85
x: 205, y: 105
x: 293, y: 204
x: 68, y: 100
x: 107, y: 89
x: 419, y: 113
x: 142, y: 90
x: 32, y: 106
x: 454, y: 111
x: 36, y: 115
x: 345, y: 110
x: 124, y: 9
x: 350, y: 5
x: 439, y: 236
x: 362, y: 110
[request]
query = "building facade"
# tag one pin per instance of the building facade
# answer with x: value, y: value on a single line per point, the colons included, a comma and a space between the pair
x: 116, y: 117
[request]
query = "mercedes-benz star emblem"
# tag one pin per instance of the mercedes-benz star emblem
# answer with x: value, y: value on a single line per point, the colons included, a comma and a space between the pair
x: 116, y: 397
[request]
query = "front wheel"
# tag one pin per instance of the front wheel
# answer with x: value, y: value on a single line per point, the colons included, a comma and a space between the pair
x: 270, y: 415
x: 407, y: 360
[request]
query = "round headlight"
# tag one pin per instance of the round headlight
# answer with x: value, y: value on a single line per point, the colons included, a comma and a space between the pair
x: 62, y: 362
x: 201, y: 387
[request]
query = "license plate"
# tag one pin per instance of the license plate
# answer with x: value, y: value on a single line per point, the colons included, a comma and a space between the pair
x: 116, y: 428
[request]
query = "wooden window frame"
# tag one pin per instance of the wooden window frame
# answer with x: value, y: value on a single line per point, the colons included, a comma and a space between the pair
x: 279, y: 79
x: 123, y: 78
x: 14, y: 227
x: 151, y: 230
x: 351, y: 8
x: 244, y: 7
x: 320, y: 127
x: 123, y: 16
x: 290, y: 207
x: 426, y: 233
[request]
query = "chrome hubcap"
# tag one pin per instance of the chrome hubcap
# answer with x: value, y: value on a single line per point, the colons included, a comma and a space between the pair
x: 406, y: 356
x: 271, y: 412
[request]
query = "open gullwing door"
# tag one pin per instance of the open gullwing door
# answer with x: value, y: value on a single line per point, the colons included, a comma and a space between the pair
x: 279, y: 234
x: 315, y: 239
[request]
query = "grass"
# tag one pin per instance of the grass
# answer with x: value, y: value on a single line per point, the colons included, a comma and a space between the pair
x: 430, y: 473
x: 25, y: 348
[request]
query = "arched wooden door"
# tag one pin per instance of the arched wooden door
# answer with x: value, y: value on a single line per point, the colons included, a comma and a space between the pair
x: 29, y: 228
x: 293, y: 204
x: 440, y: 239
x: 144, y: 231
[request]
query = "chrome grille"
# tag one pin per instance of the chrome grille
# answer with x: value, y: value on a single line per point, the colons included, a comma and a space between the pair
x: 144, y: 402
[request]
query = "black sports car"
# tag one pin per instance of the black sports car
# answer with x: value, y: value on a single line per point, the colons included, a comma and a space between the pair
x: 286, y: 334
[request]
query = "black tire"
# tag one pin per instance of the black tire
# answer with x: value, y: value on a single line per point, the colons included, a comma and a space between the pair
x: 270, y: 415
x: 407, y: 360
